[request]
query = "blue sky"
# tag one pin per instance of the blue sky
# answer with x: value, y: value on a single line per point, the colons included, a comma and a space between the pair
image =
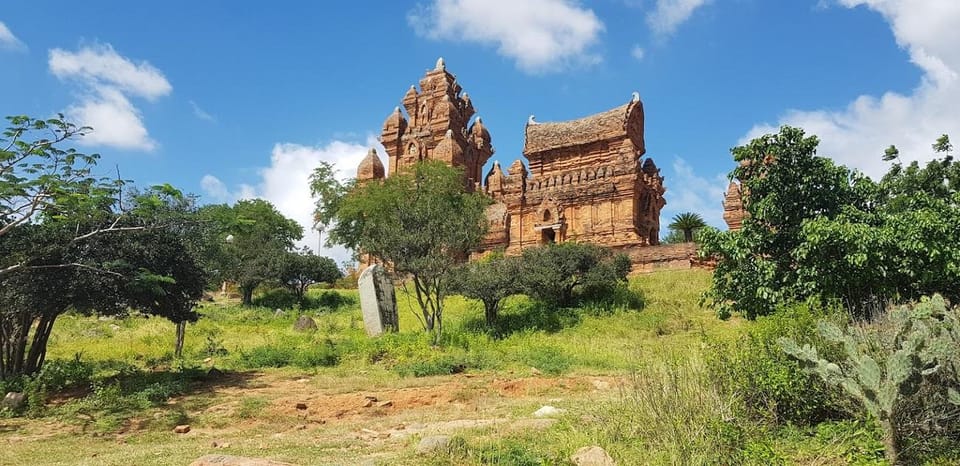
x: 241, y: 99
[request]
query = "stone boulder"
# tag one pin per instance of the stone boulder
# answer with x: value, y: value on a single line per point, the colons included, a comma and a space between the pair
x: 304, y: 324
x: 13, y: 401
x: 592, y: 456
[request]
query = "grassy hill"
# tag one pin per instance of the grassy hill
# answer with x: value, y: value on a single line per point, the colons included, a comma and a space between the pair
x: 639, y: 381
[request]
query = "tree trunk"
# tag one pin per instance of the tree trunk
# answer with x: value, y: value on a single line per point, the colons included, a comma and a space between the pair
x: 247, y: 295
x: 38, y: 347
x: 688, y: 236
x: 181, y: 333
x: 490, y: 314
x: 891, y: 441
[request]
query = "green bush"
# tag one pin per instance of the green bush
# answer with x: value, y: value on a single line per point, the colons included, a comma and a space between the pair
x: 772, y: 386
x: 305, y: 355
x: 440, y: 364
x: 550, y: 360
x: 565, y: 274
x: 276, y: 298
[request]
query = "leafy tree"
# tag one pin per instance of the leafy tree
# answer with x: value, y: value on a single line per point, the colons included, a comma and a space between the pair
x: 300, y: 269
x: 42, y: 182
x: 687, y: 222
x: 327, y: 192
x: 149, y: 270
x: 249, y: 241
x: 421, y: 223
x: 558, y: 274
x: 819, y: 230
x: 67, y: 241
x: 786, y: 184
x: 489, y: 280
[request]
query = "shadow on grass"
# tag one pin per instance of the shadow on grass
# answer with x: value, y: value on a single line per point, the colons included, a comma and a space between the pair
x: 520, y: 313
x: 120, y: 399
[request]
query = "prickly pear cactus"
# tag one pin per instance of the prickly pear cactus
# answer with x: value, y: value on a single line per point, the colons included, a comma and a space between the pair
x: 886, y: 362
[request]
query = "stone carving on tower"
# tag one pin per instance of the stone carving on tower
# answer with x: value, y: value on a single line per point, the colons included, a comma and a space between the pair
x: 437, y: 127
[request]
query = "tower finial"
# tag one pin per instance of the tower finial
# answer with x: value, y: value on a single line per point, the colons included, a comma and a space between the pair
x: 531, y: 121
x: 636, y: 97
x: 440, y: 64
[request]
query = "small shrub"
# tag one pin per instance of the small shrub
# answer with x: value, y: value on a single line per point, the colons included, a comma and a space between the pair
x: 316, y: 355
x: 277, y: 298
x: 267, y: 356
x: 442, y: 364
x: 250, y: 407
x: 547, y: 359
x: 329, y: 299
x: 772, y: 386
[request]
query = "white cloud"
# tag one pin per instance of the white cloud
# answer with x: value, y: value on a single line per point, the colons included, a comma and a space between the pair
x: 101, y: 64
x: 201, y: 113
x: 116, y: 122
x: 285, y: 183
x: 857, y: 135
x: 540, y: 35
x: 637, y: 52
x: 8, y: 40
x: 108, y: 81
x: 689, y: 192
x: 668, y: 15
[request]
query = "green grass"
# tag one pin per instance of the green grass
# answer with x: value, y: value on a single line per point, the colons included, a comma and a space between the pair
x: 665, y: 412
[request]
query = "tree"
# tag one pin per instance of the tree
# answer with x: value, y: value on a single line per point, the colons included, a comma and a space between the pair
x: 42, y: 182
x: 65, y: 242
x: 249, y: 240
x: 817, y: 230
x: 149, y: 270
x: 559, y: 274
x: 687, y: 222
x: 785, y: 184
x: 489, y: 280
x: 421, y: 223
x: 300, y: 269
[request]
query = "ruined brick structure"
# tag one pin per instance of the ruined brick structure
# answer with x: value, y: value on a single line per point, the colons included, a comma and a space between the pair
x: 587, y: 179
x: 437, y: 128
x: 733, y: 211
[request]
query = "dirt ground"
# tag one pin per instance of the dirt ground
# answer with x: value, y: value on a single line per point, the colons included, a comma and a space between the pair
x: 302, y: 419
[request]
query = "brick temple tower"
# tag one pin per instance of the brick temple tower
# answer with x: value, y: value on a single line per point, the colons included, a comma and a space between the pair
x: 436, y: 128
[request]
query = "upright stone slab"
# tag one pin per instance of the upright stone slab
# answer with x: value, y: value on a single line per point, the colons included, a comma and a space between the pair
x: 377, y: 301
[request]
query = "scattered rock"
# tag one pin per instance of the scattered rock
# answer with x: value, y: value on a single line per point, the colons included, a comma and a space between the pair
x: 182, y: 429
x: 13, y: 400
x: 220, y: 444
x: 432, y: 443
x: 300, y: 427
x: 278, y: 313
x: 114, y: 327
x: 592, y: 456
x: 304, y: 323
x: 367, y: 403
x: 371, y: 398
x: 228, y: 460
x: 385, y: 404
x: 547, y: 411
x: 207, y: 360
x: 303, y: 380
x: 535, y: 371
x: 301, y: 405
x: 214, y: 373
